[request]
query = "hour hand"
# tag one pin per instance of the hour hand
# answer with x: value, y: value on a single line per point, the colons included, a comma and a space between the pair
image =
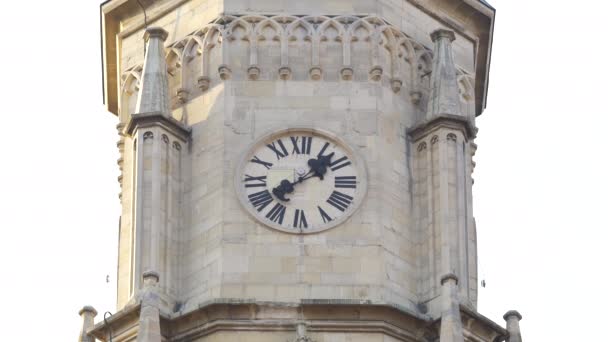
x: 285, y: 187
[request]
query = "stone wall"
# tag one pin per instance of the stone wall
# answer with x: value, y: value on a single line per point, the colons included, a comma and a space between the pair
x: 361, y: 70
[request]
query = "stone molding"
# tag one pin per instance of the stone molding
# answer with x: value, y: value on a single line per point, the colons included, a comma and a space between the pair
x: 393, y: 55
x: 453, y: 122
x: 173, y: 126
x: 327, y: 316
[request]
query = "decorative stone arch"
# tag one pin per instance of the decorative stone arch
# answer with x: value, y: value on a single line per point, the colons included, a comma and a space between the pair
x: 407, y: 54
x: 424, y: 68
x: 466, y: 89
x: 213, y: 35
x: 129, y: 90
x: 236, y: 23
x: 301, y: 34
x: 173, y: 57
x: 300, y: 22
x: 465, y: 85
x: 193, y: 49
x: 321, y: 36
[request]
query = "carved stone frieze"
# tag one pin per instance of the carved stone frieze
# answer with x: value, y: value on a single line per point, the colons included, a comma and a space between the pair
x: 343, y: 43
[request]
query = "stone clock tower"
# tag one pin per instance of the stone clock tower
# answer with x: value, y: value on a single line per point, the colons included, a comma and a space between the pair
x: 296, y: 170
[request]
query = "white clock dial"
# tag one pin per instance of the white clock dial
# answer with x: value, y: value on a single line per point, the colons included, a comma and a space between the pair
x: 301, y: 181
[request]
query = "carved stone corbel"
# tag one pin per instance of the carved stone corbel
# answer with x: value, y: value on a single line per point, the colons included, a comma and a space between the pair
x: 396, y: 84
x: 315, y: 73
x: 224, y: 72
x: 182, y: 95
x: 346, y: 73
x: 203, y: 83
x: 376, y: 73
x: 253, y: 72
x: 285, y: 73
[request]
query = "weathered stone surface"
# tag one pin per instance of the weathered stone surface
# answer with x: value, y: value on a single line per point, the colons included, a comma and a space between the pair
x: 233, y: 74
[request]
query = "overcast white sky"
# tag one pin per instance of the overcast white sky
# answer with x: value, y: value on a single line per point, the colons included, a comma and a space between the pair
x: 540, y: 181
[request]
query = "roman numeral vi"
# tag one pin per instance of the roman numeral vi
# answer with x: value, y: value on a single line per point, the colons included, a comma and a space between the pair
x: 299, y: 220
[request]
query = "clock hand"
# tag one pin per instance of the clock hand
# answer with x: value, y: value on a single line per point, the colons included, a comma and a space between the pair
x: 318, y: 168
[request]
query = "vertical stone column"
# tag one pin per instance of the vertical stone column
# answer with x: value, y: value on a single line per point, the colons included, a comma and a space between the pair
x: 88, y: 314
x: 451, y: 323
x: 442, y: 185
x: 513, y: 317
x: 149, y: 316
x: 158, y: 138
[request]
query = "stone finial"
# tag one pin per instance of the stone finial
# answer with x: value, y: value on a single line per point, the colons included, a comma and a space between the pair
x: 512, y: 318
x: 444, y: 97
x: 451, y: 323
x: 154, y: 85
x: 88, y: 314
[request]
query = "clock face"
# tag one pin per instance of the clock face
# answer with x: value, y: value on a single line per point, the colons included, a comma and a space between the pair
x: 301, y: 181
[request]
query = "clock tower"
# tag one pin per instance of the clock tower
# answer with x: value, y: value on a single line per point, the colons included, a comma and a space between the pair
x: 296, y: 171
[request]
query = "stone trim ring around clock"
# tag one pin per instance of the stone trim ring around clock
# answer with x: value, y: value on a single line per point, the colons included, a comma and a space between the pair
x: 300, y: 180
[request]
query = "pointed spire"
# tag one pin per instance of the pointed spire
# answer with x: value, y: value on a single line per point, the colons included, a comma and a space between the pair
x: 513, y: 317
x: 154, y: 86
x: 149, y: 316
x: 88, y: 314
x: 444, y: 97
x: 451, y: 323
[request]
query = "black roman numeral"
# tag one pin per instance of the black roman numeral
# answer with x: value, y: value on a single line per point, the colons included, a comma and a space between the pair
x: 261, y: 162
x: 277, y: 213
x: 260, y: 199
x: 339, y: 200
x: 346, y: 182
x: 299, y: 220
x: 340, y: 163
x: 324, y: 215
x: 283, y: 151
x: 256, y: 181
x: 323, y: 149
x: 301, y: 146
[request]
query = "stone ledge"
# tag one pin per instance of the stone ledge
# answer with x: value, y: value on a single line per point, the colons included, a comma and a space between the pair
x: 142, y: 120
x: 456, y: 122
x: 320, y: 315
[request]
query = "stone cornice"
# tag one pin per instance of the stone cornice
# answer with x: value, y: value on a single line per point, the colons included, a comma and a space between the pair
x: 320, y: 316
x: 157, y: 119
